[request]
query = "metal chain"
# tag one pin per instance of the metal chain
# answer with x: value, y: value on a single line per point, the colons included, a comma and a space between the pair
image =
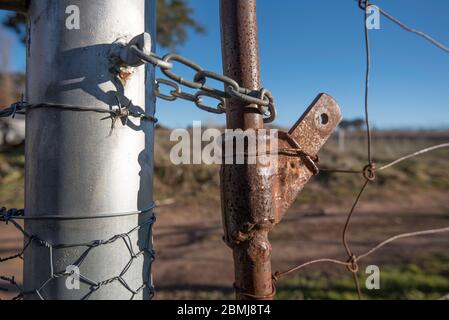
x: 262, y: 99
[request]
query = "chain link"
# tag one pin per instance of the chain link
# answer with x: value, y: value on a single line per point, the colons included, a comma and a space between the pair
x: 262, y: 98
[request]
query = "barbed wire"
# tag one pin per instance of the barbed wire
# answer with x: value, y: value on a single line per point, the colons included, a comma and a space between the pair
x: 121, y: 112
x: 369, y: 171
x: 12, y: 215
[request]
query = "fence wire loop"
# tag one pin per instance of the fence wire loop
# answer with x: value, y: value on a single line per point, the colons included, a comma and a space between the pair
x: 352, y: 264
x: 369, y: 172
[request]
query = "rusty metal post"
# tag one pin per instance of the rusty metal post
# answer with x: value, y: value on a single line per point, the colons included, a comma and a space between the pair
x: 246, y: 198
x: 255, y: 197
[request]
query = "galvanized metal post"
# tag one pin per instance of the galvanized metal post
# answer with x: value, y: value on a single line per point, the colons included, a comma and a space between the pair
x: 76, y: 168
x: 246, y: 195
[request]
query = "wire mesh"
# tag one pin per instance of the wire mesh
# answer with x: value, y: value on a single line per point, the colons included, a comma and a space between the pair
x: 14, y: 216
x: 369, y: 172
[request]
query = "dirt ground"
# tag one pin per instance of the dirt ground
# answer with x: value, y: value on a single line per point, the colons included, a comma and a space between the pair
x: 193, y: 262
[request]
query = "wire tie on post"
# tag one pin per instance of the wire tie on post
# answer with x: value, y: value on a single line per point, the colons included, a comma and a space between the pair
x: 250, y: 296
x: 309, y: 161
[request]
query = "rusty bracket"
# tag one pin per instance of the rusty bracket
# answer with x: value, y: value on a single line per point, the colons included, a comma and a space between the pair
x: 287, y: 176
x: 309, y: 133
x: 256, y: 197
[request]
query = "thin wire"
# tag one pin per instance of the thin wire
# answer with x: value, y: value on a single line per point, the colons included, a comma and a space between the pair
x: 402, y: 236
x: 348, y: 220
x: 367, y: 77
x: 341, y: 171
x: 415, y: 154
x: 85, y: 217
x: 389, y: 165
x: 352, y: 263
x: 364, y: 255
x: 438, y: 44
x: 278, y: 274
x: 417, y: 32
x: 357, y: 284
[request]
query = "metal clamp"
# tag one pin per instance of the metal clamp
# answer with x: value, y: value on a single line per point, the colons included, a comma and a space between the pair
x: 126, y: 54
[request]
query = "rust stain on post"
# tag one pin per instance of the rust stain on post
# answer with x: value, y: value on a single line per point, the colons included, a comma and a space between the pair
x: 240, y: 53
x: 255, y: 197
x: 125, y: 74
x: 246, y: 196
x: 310, y: 132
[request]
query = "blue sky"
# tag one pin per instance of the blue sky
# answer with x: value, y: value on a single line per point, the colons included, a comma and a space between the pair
x: 313, y: 46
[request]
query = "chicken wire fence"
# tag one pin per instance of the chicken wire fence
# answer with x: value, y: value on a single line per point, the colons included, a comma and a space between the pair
x: 13, y: 217
x: 264, y: 101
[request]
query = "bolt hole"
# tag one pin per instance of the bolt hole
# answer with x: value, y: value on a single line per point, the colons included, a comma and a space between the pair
x: 324, y: 119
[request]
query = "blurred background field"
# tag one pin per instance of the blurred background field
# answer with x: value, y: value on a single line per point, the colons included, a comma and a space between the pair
x: 409, y: 80
x: 194, y: 263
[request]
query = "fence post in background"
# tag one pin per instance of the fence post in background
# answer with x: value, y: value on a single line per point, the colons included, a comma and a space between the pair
x: 86, y: 181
